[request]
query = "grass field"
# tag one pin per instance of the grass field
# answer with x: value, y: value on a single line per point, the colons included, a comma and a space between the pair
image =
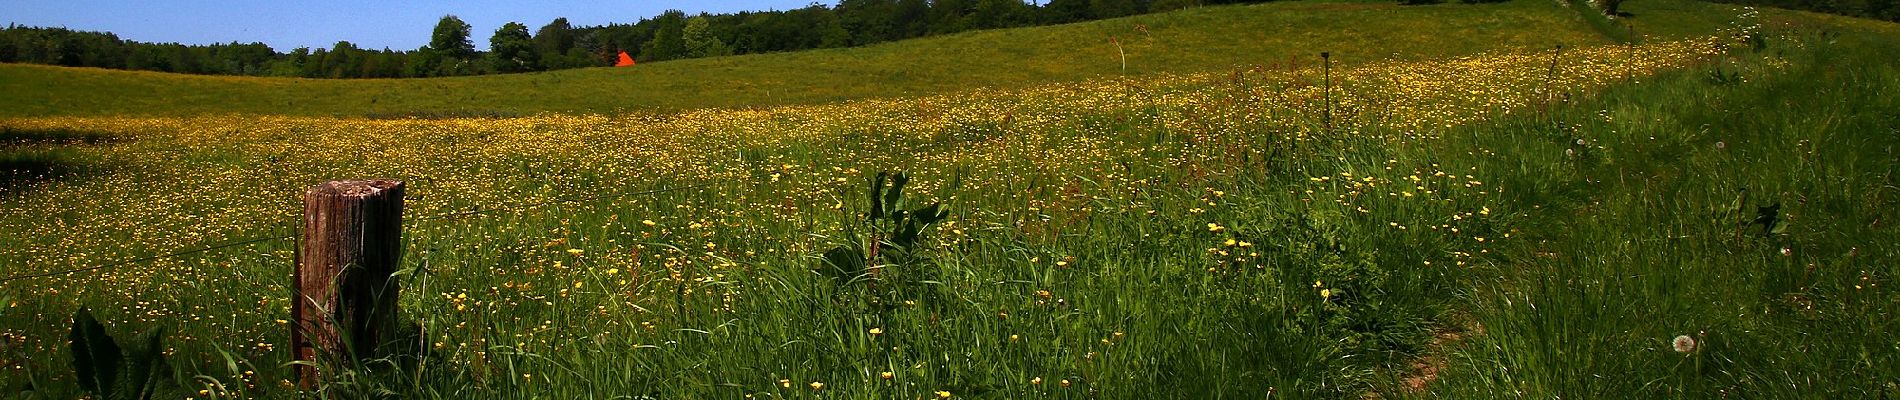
x: 1477, y: 216
x: 1207, y: 39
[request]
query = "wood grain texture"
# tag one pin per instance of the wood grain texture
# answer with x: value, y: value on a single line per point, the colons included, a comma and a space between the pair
x: 345, y: 300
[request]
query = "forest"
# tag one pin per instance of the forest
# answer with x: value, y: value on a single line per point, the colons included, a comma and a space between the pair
x: 558, y: 44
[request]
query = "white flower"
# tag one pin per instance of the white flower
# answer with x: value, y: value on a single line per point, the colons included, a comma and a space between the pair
x: 1683, y: 344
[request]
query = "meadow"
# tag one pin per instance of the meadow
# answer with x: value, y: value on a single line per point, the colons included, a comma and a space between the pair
x: 1512, y: 221
x: 1197, y: 40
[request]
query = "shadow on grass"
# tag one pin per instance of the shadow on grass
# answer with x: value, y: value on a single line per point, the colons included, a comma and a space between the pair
x: 13, y: 138
x: 32, y: 156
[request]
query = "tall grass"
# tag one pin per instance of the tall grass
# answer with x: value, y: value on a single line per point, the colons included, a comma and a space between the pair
x: 1643, y: 198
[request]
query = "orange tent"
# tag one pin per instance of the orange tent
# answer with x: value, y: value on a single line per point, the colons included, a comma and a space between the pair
x: 625, y: 61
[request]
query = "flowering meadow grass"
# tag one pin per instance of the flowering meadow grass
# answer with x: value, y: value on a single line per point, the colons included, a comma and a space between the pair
x: 1512, y: 223
x: 1196, y: 40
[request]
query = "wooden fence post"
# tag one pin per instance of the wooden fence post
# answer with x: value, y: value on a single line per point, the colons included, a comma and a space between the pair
x: 1326, y: 59
x: 344, y: 302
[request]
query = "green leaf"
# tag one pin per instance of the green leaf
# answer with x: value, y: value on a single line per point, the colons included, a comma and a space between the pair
x: 148, y: 366
x: 894, y: 199
x: 230, y: 363
x: 403, y: 273
x: 96, y: 358
x: 906, y: 235
x: 877, y: 199
x: 933, y: 213
x: 844, y: 263
x: 1768, y: 217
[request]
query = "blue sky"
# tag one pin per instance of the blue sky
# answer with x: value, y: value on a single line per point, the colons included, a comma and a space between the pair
x: 285, y: 25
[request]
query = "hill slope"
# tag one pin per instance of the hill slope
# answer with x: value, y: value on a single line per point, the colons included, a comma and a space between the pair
x: 1599, y: 222
x: 1194, y: 40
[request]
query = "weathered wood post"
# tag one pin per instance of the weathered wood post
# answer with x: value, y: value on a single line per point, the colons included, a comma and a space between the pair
x: 344, y: 301
x: 1326, y: 59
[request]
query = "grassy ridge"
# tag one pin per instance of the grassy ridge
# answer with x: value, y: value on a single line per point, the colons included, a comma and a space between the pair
x: 1159, y: 237
x: 1642, y: 202
x: 1313, y: 261
x: 1195, y: 40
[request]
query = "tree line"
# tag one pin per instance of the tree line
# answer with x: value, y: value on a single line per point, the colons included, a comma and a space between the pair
x: 1876, y: 9
x: 561, y: 45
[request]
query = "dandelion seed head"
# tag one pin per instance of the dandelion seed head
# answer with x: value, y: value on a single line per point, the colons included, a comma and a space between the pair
x: 1683, y: 344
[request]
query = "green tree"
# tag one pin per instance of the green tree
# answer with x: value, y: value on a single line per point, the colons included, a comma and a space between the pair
x: 343, y: 62
x: 946, y: 16
x: 384, y: 64
x: 153, y: 58
x: 990, y: 14
x: 287, y: 65
x: 762, y: 32
x: 1171, y: 5
x: 869, y: 21
x: 555, y: 37
x: 9, y: 46
x: 613, y: 39
x: 552, y: 43
x: 668, y: 37
x: 830, y: 30
x: 313, y: 66
x: 911, y: 19
x: 1065, y: 11
x: 425, y: 62
x: 452, y: 46
x: 512, y: 50
x: 700, y: 41
x: 1105, y: 9
x: 248, y: 59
